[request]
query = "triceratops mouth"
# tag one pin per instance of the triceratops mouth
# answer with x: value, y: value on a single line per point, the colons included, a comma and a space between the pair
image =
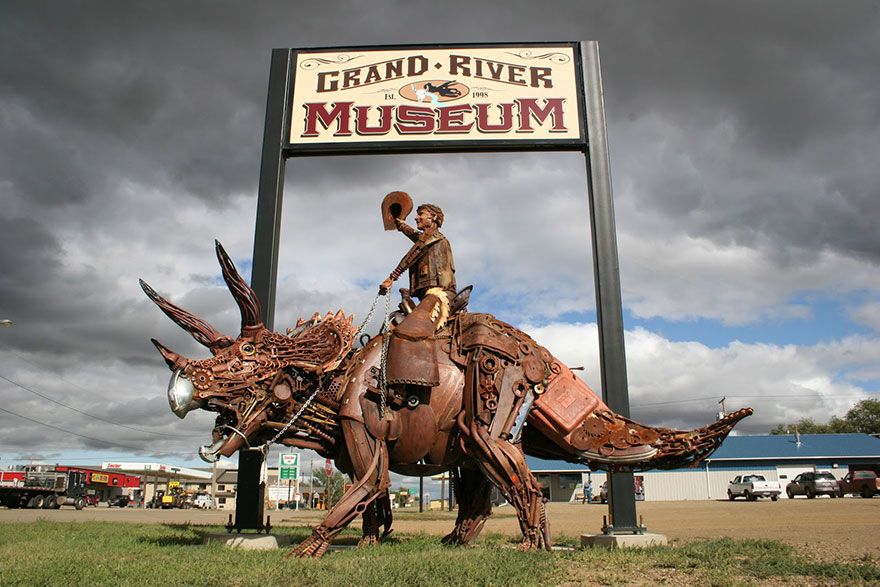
x: 180, y: 394
x: 211, y: 453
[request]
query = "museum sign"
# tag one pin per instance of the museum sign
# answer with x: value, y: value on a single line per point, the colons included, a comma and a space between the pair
x: 431, y: 97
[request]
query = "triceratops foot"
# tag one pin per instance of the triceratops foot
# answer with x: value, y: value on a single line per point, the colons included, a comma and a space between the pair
x: 532, y: 542
x: 454, y: 538
x: 369, y: 540
x: 312, y: 547
x: 464, y: 532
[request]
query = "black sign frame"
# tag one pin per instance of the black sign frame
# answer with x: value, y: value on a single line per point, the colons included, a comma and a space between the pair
x: 593, y: 144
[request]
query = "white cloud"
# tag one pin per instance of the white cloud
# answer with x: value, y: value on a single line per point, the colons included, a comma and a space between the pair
x: 679, y: 384
x: 867, y: 314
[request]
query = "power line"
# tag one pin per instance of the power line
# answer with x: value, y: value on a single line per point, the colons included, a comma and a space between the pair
x: 713, y: 397
x: 105, y: 420
x: 135, y: 448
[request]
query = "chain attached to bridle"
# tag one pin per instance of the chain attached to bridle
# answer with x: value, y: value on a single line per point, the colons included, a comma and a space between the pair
x: 386, y: 339
x: 264, y: 448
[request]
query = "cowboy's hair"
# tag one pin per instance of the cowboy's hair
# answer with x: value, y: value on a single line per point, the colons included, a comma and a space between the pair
x: 435, y: 210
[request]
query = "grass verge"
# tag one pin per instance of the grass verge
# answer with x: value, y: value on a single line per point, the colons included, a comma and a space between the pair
x: 89, y: 553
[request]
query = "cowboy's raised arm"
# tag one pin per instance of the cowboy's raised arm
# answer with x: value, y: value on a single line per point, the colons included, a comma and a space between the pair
x: 406, y: 229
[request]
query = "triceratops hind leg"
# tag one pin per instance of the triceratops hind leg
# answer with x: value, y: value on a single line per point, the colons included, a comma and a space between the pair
x: 473, y: 493
x: 505, y: 465
x: 370, y: 460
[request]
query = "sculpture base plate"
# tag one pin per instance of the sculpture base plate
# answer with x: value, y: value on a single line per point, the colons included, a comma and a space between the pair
x: 622, y: 540
x: 249, y: 541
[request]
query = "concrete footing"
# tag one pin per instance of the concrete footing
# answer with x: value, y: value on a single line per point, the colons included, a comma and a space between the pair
x: 249, y: 541
x: 622, y: 540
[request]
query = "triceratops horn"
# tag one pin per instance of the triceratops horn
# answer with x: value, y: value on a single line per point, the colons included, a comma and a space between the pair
x: 198, y: 328
x: 173, y: 360
x: 245, y: 297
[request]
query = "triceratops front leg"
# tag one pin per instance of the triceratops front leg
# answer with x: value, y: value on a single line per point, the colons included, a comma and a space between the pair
x: 370, y: 460
x: 473, y: 493
x: 378, y: 514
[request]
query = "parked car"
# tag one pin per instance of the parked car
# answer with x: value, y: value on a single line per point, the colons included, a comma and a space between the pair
x: 812, y: 484
x: 865, y: 483
x: 118, y: 501
x: 639, y: 492
x: 752, y: 487
x: 204, y: 501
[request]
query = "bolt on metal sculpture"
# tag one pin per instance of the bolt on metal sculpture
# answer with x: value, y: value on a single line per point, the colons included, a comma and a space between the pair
x: 439, y: 389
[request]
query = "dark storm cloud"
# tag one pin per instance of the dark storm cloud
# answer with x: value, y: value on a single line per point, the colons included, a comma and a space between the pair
x: 793, y: 84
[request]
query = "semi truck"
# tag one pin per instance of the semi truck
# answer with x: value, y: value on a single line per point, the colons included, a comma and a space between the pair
x: 42, y: 489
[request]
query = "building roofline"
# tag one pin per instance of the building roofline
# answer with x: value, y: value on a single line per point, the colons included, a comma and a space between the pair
x: 795, y: 458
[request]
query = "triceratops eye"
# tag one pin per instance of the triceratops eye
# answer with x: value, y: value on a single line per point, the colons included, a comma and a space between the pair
x: 247, y: 348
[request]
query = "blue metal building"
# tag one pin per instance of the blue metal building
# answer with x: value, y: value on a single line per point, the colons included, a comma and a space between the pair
x: 778, y: 458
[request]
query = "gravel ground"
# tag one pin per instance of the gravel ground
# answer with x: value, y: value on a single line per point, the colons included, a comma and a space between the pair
x: 826, y: 529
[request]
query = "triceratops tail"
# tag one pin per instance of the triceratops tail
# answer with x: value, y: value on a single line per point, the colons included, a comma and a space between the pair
x: 610, y: 441
x: 678, y: 448
x: 607, y: 440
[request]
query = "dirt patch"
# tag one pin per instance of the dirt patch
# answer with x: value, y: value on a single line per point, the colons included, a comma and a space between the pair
x: 843, y: 530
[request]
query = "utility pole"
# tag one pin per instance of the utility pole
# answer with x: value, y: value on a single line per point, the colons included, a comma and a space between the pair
x: 311, y: 483
x: 214, y: 485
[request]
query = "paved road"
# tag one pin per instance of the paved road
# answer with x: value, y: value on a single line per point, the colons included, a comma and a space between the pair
x: 831, y: 529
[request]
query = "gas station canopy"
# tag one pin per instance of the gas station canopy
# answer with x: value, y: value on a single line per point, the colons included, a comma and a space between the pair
x: 157, y: 470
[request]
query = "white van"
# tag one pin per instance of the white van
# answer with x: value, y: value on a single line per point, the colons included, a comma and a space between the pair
x: 203, y: 501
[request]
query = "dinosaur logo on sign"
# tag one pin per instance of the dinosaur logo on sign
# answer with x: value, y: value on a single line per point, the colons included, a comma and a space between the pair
x: 434, y: 91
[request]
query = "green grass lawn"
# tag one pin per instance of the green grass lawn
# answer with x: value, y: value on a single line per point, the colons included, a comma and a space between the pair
x: 93, y: 553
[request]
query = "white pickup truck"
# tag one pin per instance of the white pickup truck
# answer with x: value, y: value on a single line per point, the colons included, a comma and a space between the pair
x: 752, y: 487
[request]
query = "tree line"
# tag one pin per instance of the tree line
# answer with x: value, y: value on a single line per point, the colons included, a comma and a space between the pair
x: 863, y: 417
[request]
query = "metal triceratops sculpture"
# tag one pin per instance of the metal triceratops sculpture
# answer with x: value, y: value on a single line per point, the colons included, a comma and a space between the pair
x: 501, y: 396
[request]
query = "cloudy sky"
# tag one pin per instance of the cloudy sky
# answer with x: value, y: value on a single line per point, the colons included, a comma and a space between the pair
x: 744, y: 140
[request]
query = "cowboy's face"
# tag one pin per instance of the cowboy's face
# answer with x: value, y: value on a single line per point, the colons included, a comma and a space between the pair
x: 425, y: 219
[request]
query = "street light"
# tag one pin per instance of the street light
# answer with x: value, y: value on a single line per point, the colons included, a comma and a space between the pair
x: 5, y: 323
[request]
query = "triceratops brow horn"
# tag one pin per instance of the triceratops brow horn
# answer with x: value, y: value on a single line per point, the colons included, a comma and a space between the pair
x: 198, y: 328
x: 245, y: 297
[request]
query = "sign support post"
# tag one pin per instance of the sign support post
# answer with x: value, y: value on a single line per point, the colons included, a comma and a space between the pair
x: 264, y: 271
x: 606, y: 275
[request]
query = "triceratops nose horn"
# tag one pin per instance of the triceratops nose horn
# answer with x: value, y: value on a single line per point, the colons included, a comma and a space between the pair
x: 198, y: 328
x: 173, y: 360
x: 245, y: 297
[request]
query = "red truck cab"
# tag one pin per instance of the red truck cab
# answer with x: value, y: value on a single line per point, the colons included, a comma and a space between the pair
x: 865, y: 483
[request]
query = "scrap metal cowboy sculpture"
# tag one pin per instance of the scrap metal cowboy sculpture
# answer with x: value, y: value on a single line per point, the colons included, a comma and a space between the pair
x: 499, y: 395
x: 412, y: 366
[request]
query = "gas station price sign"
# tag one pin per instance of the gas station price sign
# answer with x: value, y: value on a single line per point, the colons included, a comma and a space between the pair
x: 288, y: 465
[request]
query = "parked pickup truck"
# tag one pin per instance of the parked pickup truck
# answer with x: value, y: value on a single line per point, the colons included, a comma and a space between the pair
x: 865, y: 483
x: 752, y: 487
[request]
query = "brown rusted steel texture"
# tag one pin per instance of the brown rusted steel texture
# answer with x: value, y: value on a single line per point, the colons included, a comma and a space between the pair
x: 492, y: 396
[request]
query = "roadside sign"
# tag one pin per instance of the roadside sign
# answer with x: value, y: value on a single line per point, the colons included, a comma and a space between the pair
x: 288, y: 465
x: 328, y: 468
